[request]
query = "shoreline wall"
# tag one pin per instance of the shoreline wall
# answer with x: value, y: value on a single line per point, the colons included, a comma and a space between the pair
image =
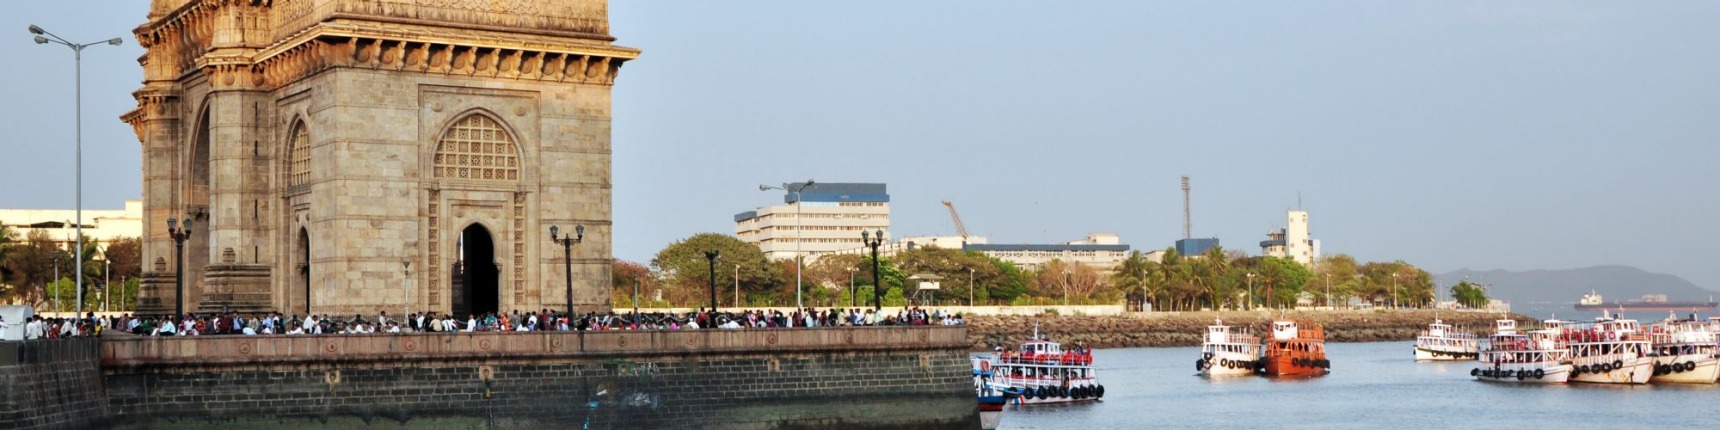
x: 863, y: 378
x: 884, y: 377
x: 1167, y: 329
x: 52, y: 383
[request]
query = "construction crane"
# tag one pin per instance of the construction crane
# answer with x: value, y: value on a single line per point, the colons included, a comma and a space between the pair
x: 960, y: 229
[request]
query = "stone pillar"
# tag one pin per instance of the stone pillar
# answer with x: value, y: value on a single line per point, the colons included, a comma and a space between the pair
x: 238, y: 275
x: 157, y: 124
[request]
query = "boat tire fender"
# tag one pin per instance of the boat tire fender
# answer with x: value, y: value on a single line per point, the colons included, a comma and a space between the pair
x: 1199, y: 364
x: 1474, y: 372
x: 1689, y: 365
x: 1540, y: 373
x: 1099, y: 392
x: 1618, y: 364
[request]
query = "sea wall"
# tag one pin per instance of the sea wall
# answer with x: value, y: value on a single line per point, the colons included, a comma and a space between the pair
x: 883, y: 377
x: 51, y: 384
x: 1161, y: 329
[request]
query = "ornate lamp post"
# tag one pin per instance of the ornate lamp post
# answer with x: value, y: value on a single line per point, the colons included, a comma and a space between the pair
x: 78, y: 58
x: 179, y: 236
x: 567, y: 256
x: 798, y: 237
x: 872, y: 241
x: 711, y: 256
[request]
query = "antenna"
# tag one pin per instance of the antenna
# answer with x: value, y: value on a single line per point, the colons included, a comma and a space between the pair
x: 1187, y: 219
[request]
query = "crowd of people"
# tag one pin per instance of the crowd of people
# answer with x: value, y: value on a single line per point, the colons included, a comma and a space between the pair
x: 274, y: 323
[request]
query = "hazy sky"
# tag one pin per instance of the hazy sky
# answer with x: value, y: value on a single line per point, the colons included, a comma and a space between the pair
x: 1450, y: 134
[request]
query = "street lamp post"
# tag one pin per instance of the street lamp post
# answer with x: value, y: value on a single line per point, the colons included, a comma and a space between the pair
x: 877, y: 286
x: 712, y: 257
x: 737, y: 302
x: 406, y: 270
x: 107, y: 280
x: 1329, y: 292
x: 851, y: 294
x: 1065, y: 286
x: 566, y: 243
x: 179, y: 236
x: 1250, y: 290
x: 970, y: 287
x: 78, y: 59
x: 57, y: 280
x: 799, y: 261
x: 1394, y: 291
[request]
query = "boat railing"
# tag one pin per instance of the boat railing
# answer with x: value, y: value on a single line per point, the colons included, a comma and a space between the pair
x: 1066, y: 357
x: 1447, y: 334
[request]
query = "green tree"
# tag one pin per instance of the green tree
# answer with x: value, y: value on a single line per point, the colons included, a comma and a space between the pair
x: 686, y: 273
x: 1336, y: 276
x: 1469, y: 295
x: 7, y: 237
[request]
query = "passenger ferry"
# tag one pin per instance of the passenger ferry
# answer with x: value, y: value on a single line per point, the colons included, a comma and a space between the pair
x: 1296, y: 351
x: 1536, y: 357
x: 1684, y: 352
x: 1607, y: 351
x: 1439, y: 342
x: 1228, y: 351
x: 1043, y: 372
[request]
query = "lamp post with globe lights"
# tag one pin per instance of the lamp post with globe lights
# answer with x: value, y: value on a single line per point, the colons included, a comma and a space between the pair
x: 566, y: 243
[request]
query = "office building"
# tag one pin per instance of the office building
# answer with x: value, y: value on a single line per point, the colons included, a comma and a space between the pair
x: 825, y: 218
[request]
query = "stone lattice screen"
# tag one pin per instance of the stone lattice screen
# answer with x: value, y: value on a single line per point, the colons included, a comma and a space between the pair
x: 477, y: 148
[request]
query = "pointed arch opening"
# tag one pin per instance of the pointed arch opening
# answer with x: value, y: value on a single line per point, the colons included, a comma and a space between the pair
x: 478, y: 277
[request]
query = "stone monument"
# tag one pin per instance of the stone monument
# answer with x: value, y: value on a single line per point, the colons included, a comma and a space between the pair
x: 318, y: 146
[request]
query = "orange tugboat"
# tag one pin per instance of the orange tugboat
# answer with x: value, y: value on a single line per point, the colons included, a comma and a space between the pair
x: 1295, y: 351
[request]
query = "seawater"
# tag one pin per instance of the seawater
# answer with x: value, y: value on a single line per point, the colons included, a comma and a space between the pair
x: 1372, y: 386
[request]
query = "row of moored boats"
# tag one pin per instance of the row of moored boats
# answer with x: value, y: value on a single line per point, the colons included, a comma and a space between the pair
x: 1607, y: 350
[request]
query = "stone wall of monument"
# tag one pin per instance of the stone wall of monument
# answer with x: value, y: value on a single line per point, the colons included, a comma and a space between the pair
x: 51, y: 384
x: 802, y: 378
x: 373, y: 87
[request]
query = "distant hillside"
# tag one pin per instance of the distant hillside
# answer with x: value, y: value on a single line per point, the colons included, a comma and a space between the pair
x: 1538, y: 292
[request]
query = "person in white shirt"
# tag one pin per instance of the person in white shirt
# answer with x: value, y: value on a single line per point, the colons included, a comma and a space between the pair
x: 394, y: 328
x: 296, y: 330
x: 471, y: 323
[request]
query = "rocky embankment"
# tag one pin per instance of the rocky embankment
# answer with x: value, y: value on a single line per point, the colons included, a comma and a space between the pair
x: 1185, y: 328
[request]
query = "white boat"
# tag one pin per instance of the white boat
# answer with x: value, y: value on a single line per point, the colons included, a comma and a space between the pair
x: 991, y: 402
x: 1439, y: 342
x: 1043, y: 372
x: 1607, y: 351
x: 1228, y: 351
x: 1684, y: 352
x: 1535, y: 357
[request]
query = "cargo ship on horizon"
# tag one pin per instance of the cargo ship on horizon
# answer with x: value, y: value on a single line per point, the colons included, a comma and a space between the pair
x: 1649, y: 302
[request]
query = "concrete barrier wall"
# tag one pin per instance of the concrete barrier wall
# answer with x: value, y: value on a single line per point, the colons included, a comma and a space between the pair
x: 965, y: 310
x: 753, y: 379
x: 51, y: 384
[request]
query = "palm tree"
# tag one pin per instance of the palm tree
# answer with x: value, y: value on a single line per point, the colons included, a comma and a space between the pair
x: 1130, y: 278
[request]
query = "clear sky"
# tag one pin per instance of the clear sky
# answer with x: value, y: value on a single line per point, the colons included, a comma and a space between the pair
x: 1450, y: 134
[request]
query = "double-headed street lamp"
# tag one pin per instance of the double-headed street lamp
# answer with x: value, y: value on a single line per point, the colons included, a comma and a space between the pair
x: 567, y: 256
x: 799, y: 265
x: 1251, y: 290
x: 711, y: 256
x: 179, y: 236
x: 877, y: 286
x: 78, y: 59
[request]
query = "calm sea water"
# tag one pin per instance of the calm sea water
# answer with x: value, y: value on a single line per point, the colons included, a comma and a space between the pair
x: 1372, y: 385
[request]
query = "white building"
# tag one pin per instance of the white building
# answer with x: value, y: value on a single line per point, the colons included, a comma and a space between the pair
x: 102, y: 226
x: 1103, y: 251
x: 827, y: 217
x: 1293, y: 240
